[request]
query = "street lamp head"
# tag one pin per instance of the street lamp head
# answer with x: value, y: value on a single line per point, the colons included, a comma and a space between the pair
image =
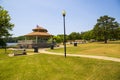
x: 63, y: 12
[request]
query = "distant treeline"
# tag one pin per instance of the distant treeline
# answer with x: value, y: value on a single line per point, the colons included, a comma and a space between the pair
x: 87, y: 35
x: 105, y: 29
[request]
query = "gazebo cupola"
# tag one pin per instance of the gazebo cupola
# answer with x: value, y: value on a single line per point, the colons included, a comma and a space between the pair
x: 39, y: 29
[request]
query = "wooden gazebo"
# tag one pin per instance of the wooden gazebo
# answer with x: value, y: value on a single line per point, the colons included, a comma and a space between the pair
x: 38, y: 37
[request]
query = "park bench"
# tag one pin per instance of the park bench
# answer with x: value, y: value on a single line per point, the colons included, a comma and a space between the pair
x: 18, y: 52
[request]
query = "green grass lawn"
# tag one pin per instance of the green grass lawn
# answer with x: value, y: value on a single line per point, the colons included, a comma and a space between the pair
x: 112, y: 49
x: 4, y: 54
x: 52, y: 67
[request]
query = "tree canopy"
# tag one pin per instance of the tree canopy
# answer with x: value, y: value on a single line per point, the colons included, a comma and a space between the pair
x: 5, y: 24
x: 106, y: 28
x: 74, y: 36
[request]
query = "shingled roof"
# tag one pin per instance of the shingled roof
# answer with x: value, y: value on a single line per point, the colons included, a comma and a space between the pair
x: 39, y: 31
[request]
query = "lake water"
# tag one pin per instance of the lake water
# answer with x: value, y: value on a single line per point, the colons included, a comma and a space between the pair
x: 11, y: 44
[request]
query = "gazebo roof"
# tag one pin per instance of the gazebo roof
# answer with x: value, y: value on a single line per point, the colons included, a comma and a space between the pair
x: 38, y: 34
x: 39, y: 31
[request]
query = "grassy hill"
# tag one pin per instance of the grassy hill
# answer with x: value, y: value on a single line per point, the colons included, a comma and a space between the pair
x: 112, y: 49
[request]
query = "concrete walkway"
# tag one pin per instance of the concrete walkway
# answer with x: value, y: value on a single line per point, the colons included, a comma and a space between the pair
x: 75, y: 55
x: 78, y: 55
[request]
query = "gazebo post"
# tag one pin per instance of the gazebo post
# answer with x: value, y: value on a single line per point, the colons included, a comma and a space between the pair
x: 25, y: 39
x: 36, y: 39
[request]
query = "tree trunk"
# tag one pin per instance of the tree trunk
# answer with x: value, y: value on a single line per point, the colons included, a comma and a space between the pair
x: 105, y: 38
x: 106, y: 41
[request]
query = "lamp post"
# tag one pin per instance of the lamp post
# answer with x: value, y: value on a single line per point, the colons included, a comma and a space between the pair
x: 64, y: 14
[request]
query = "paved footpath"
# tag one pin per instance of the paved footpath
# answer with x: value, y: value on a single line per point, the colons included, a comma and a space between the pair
x: 78, y: 55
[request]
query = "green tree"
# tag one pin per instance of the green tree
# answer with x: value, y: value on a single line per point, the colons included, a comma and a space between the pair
x: 2, y: 42
x: 74, y: 36
x: 106, y: 28
x: 119, y: 33
x: 87, y: 35
x: 12, y: 39
x: 5, y: 24
x: 59, y: 38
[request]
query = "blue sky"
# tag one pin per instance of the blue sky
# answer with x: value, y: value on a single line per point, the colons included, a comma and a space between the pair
x: 81, y: 15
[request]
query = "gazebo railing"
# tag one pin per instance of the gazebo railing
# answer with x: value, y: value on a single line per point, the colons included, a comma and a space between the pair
x: 31, y: 41
x: 26, y: 42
